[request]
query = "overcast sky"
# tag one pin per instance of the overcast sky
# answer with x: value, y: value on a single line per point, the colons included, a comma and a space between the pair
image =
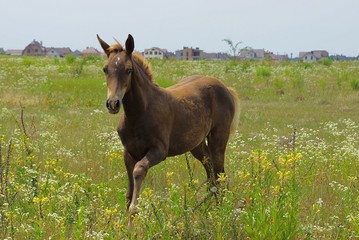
x: 280, y: 26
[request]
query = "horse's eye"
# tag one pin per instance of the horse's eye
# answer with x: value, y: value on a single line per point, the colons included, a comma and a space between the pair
x: 129, y: 70
x: 105, y: 70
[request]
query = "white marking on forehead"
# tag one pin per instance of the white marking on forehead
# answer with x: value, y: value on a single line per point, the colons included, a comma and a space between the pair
x: 118, y: 60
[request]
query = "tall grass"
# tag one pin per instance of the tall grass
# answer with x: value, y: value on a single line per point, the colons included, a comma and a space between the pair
x: 291, y: 168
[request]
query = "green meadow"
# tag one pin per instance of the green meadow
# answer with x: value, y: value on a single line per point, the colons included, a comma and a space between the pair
x: 292, y: 167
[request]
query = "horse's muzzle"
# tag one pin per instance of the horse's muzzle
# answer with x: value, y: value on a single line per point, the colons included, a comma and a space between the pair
x: 113, y: 106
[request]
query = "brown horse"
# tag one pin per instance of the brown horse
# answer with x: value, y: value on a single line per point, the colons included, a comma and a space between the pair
x: 197, y: 115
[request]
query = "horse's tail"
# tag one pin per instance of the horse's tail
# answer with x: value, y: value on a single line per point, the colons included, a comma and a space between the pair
x: 236, y: 101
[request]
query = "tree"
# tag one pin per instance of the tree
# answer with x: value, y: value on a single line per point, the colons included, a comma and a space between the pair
x: 234, y: 48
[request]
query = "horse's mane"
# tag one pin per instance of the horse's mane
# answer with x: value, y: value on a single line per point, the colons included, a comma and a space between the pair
x: 136, y: 56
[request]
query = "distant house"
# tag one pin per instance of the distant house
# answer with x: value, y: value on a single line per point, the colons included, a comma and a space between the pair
x: 280, y: 57
x: 189, y: 54
x: 35, y: 48
x: 77, y: 53
x: 58, y: 52
x: 313, y: 56
x: 155, y: 53
x: 14, y: 52
x: 261, y: 54
x: 252, y: 54
x: 2, y: 51
x: 215, y: 56
x: 90, y: 51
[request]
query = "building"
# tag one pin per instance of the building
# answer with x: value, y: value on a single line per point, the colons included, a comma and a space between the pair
x: 2, y: 51
x: 58, y: 52
x: 155, y: 52
x: 216, y: 56
x: 189, y: 54
x: 77, y: 53
x: 90, y: 51
x: 280, y: 57
x: 252, y: 54
x: 313, y: 56
x: 14, y: 52
x: 35, y: 48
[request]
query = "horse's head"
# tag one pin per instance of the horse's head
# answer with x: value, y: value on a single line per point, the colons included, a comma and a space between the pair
x: 118, y: 70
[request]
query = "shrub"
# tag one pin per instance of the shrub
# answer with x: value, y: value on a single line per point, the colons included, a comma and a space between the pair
x: 70, y: 58
x: 298, y: 81
x: 354, y: 83
x: 278, y: 83
x: 327, y: 62
x: 263, y: 71
x: 91, y: 59
x: 323, y: 84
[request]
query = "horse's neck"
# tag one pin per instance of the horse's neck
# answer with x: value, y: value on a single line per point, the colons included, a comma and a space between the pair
x: 137, y: 98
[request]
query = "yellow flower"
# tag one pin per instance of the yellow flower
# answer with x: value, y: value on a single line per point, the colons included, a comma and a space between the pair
x: 44, y: 200
x: 41, y: 201
x: 352, y: 179
x: 276, y: 189
x: 76, y: 187
x: 282, y: 161
x: 148, y: 193
x: 109, y: 212
x: 243, y: 174
x: 284, y: 176
x: 169, y: 178
x: 222, y: 178
x: 36, y: 200
x: 298, y: 156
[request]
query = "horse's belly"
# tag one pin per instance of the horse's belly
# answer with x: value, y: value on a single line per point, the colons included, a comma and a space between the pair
x: 187, y: 140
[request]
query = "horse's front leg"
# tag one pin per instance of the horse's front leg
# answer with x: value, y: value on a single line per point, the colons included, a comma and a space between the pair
x: 130, y: 165
x: 153, y: 157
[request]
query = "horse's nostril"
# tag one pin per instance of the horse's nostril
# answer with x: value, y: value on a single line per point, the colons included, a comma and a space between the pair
x: 113, y: 105
x: 117, y: 104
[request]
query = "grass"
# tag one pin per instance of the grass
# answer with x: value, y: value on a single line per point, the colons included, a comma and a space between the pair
x: 292, y: 168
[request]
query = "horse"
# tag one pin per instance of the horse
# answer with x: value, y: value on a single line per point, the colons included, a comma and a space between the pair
x: 196, y: 115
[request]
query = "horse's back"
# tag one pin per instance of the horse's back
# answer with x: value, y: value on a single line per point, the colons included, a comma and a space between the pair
x: 195, y: 81
x: 203, y: 87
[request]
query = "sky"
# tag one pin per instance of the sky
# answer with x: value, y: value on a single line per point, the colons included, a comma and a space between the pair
x: 279, y: 26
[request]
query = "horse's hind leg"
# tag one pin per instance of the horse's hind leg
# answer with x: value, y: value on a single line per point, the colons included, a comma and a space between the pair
x: 217, y: 142
x: 201, y: 153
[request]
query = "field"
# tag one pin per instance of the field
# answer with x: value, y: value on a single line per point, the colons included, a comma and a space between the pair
x: 292, y: 167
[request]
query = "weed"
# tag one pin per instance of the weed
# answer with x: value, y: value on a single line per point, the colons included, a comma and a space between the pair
x: 263, y: 71
x: 354, y: 83
x: 327, y: 62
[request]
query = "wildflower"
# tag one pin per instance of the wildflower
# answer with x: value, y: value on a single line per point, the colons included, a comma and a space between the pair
x: 320, y: 202
x: 276, y: 189
x: 259, y: 158
x: 243, y: 174
x: 222, y: 178
x: 352, y: 179
x: 284, y: 176
x: 36, y: 200
x: 109, y: 212
x: 169, y: 178
x: 298, y: 156
x: 44, y: 200
x: 40, y: 201
x: 148, y: 193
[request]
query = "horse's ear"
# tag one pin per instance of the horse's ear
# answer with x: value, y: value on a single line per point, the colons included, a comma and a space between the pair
x: 104, y: 45
x: 130, y: 44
